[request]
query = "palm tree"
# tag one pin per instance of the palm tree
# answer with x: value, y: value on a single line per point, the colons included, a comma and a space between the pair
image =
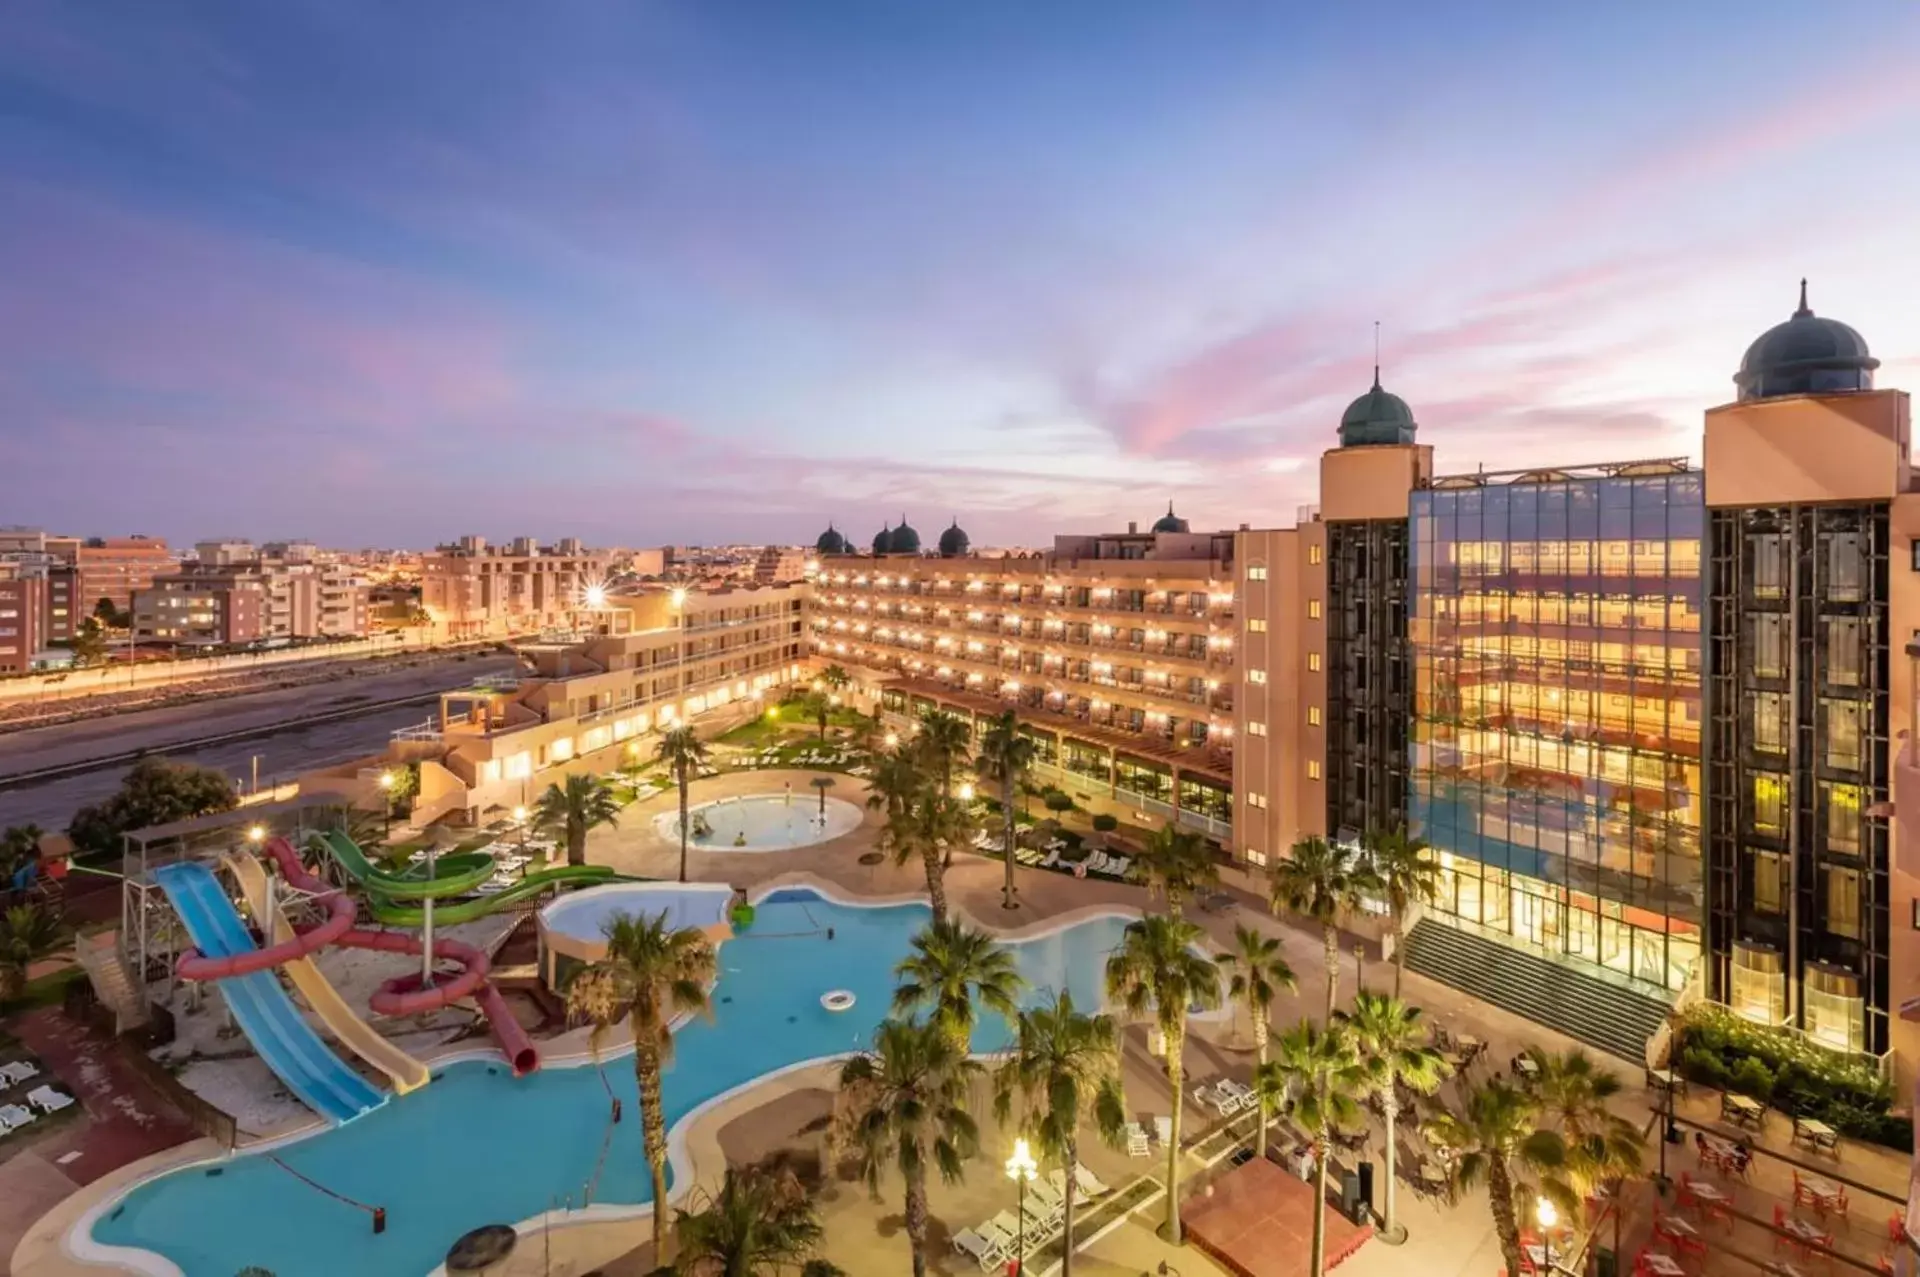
x: 582, y: 803
x: 942, y: 743
x: 1320, y: 1071
x: 928, y: 825
x: 819, y: 707
x: 1256, y: 972
x: 1177, y: 864
x: 652, y: 975
x: 19, y: 847
x: 897, y: 779
x: 1321, y: 881
x: 1408, y: 875
x: 1061, y: 1062
x: 28, y: 933
x: 1158, y: 969
x: 836, y: 678
x: 759, y: 1223
x: 905, y: 1102
x: 1497, y: 1135
x: 1574, y: 1092
x: 684, y: 753
x: 1397, y: 1051
x: 1006, y: 755
x: 954, y: 968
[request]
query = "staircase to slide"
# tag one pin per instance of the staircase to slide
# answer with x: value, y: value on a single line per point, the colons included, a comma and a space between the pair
x: 113, y: 983
x: 1596, y: 1012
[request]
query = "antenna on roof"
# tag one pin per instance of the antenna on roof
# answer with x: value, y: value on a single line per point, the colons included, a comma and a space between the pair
x: 1376, y: 354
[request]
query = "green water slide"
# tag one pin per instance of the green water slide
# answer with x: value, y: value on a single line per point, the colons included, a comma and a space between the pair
x: 387, y: 913
x: 455, y: 875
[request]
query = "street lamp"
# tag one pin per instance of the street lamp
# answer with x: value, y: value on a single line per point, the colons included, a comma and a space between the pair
x: 386, y: 799
x: 1021, y: 1168
x: 256, y: 834
x: 966, y: 791
x: 1543, y: 1210
x: 520, y: 818
x: 893, y: 739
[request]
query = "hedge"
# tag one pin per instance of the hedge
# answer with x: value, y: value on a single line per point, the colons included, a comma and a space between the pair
x: 1719, y: 1049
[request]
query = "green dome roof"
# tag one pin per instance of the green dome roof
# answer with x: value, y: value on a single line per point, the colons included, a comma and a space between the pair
x: 1807, y: 355
x: 905, y: 539
x: 1376, y: 417
x: 1170, y: 522
x: 883, y: 541
x: 953, y: 542
x: 832, y: 542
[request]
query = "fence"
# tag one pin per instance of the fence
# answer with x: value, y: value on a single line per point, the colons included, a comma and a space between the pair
x: 61, y: 684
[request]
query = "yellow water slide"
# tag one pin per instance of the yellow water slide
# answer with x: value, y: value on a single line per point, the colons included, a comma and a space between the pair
x: 353, y: 1032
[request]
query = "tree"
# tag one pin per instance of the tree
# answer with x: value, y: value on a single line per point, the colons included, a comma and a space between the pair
x: 581, y: 804
x: 1256, y: 972
x: 1408, y: 875
x: 153, y: 792
x: 400, y: 785
x: 1063, y: 1068
x: 952, y: 970
x: 1322, y: 881
x: 89, y: 643
x: 759, y: 1223
x: 683, y: 752
x: 19, y: 848
x: 835, y: 678
x: 1157, y: 969
x: 927, y: 825
x: 28, y: 933
x: 652, y: 975
x: 1575, y: 1093
x: 1006, y: 755
x: 942, y: 743
x: 1396, y: 1050
x: 1497, y: 1135
x: 1177, y: 865
x: 897, y: 780
x: 112, y: 617
x: 904, y: 1103
x: 1321, y: 1072
x: 818, y: 707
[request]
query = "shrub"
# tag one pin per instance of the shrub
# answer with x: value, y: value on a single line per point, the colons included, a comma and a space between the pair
x: 1703, y: 1067
x: 1106, y: 822
x: 1751, y: 1077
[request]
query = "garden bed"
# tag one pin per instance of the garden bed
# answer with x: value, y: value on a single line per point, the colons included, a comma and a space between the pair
x: 1719, y: 1049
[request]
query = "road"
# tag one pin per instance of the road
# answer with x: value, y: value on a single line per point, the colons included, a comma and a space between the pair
x: 283, y: 754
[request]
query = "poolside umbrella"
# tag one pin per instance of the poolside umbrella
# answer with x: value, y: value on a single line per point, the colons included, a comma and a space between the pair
x: 823, y: 784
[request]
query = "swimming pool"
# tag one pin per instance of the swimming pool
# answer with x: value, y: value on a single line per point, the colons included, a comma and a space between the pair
x: 481, y: 1147
x: 766, y: 822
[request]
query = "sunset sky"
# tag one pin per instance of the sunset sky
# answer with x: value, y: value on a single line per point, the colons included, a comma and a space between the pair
x: 642, y: 272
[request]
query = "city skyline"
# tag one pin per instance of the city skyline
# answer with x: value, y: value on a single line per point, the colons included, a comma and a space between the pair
x: 357, y: 276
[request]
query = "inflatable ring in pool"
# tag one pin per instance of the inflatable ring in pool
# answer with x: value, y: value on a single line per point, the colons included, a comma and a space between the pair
x: 837, y: 1000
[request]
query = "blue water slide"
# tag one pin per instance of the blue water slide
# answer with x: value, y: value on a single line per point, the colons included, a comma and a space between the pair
x: 261, y: 1006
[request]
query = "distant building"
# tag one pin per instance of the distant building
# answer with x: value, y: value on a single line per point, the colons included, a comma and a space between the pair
x: 477, y: 589
x: 113, y: 568
x: 233, y: 593
x: 780, y: 563
x: 202, y: 606
x: 23, y: 615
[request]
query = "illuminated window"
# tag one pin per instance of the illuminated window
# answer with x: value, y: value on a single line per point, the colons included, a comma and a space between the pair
x: 1256, y: 856
x: 1835, y: 1009
x: 1257, y: 800
x: 1769, y: 874
x: 1313, y: 554
x: 1256, y: 574
x: 1843, y: 804
x: 1770, y: 804
x: 1843, y: 721
x: 1256, y: 676
x: 1770, y: 722
x: 1759, y: 984
x: 1256, y: 728
x: 1313, y: 609
x: 1313, y: 662
x: 1313, y: 716
x: 1256, y: 626
x: 1845, y: 655
x: 1843, y: 902
x: 1313, y: 769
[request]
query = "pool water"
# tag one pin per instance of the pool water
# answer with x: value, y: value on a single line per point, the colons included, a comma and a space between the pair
x: 771, y: 822
x: 481, y: 1147
x: 585, y: 914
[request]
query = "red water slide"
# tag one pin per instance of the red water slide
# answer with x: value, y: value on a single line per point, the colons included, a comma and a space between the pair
x: 403, y: 995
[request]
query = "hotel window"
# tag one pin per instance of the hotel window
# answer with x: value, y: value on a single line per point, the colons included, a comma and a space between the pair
x: 1769, y: 645
x: 1770, y: 722
x: 1843, y: 902
x: 1843, y: 804
x: 1846, y: 653
x: 1313, y: 716
x: 1313, y: 662
x: 1313, y: 554
x: 1769, y: 553
x: 1256, y: 728
x: 1256, y: 574
x: 1313, y: 769
x: 1257, y: 800
x: 1759, y: 984
x: 1769, y: 879
x: 1843, y: 722
x: 1256, y: 857
x: 1846, y: 567
x: 1313, y: 609
x: 1770, y: 805
x: 1256, y: 626
x: 1835, y: 1010
x: 1256, y: 676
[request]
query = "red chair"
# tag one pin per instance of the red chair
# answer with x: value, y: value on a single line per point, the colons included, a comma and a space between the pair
x: 1896, y: 1230
x: 1779, y: 1226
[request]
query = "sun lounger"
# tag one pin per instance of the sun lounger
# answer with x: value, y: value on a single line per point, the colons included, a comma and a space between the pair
x: 1007, y: 1222
x: 1163, y: 1129
x: 18, y: 1071
x: 48, y: 1100
x: 1088, y: 1183
x: 1137, y: 1140
x: 1051, y: 859
x: 1047, y: 1195
x: 1041, y: 1220
x: 13, y: 1116
x: 984, y: 1252
x: 1240, y: 1091
x: 1117, y: 866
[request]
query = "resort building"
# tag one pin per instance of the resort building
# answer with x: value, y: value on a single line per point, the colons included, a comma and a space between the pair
x: 1116, y: 651
x: 595, y: 701
x: 476, y: 589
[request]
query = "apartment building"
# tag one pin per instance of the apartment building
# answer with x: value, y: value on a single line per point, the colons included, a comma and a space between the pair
x: 780, y: 563
x: 477, y: 589
x: 202, y: 608
x: 24, y: 605
x: 234, y: 593
x: 113, y: 568
x: 603, y: 698
x: 1117, y: 652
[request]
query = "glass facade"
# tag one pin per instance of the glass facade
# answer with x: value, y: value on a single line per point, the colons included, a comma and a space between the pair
x: 1556, y: 757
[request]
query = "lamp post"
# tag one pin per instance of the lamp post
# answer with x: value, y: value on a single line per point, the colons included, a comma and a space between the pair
x: 257, y: 834
x: 1021, y: 1169
x: 520, y: 818
x: 386, y: 799
x: 1543, y: 1210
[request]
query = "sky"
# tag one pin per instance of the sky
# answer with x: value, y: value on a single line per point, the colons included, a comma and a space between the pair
x: 646, y: 272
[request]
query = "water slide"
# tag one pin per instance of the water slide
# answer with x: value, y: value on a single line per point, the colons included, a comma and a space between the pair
x: 385, y: 890
x: 455, y: 875
x: 408, y: 995
x: 261, y: 1007
x: 353, y: 1032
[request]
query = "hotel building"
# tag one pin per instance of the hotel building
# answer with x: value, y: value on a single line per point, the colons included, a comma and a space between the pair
x: 476, y: 589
